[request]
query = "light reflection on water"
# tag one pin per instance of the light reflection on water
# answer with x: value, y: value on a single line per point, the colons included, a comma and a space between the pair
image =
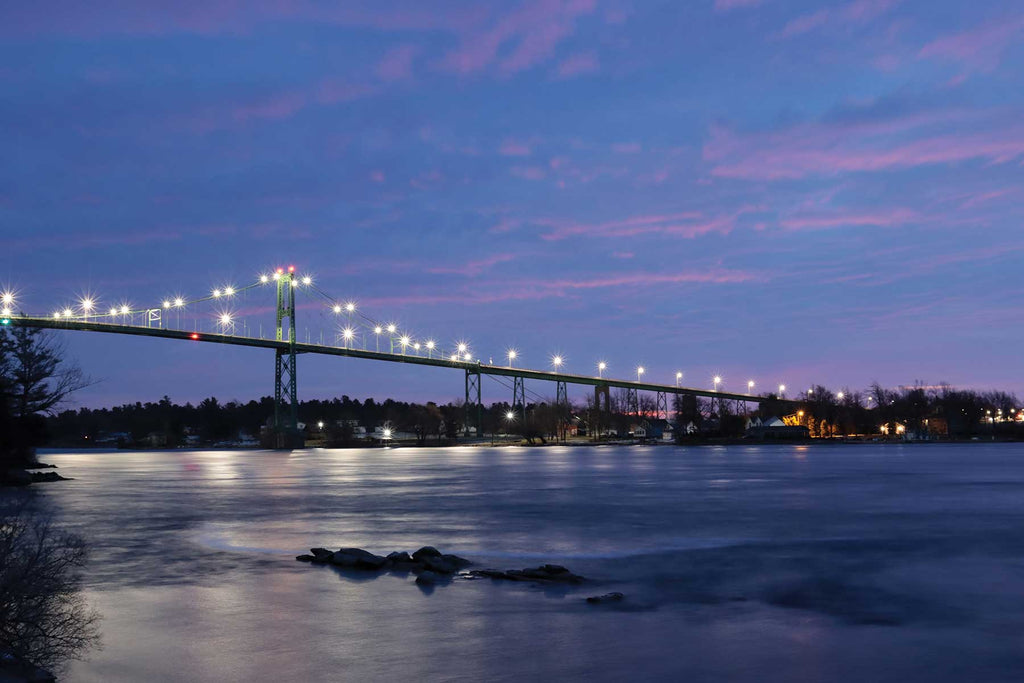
x: 742, y: 563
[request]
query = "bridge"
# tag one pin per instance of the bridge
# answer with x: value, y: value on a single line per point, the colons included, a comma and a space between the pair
x: 213, y: 321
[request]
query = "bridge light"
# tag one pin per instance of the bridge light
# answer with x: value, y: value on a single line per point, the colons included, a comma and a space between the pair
x: 264, y: 279
x: 416, y: 346
x: 225, y: 319
x: 454, y: 357
x: 462, y: 347
x: 7, y: 298
x: 556, y: 361
x: 216, y: 292
x: 113, y: 311
x: 291, y: 269
x: 348, y: 333
x: 718, y: 380
x: 350, y: 307
x: 124, y: 310
x: 229, y: 291
x: 6, y: 311
x: 68, y: 312
x: 307, y: 280
x: 431, y: 344
x: 392, y: 328
x: 178, y: 303
x: 639, y: 371
x: 194, y: 336
x: 87, y: 304
x: 404, y: 341
x: 601, y: 367
x: 337, y: 308
x: 750, y: 386
x: 782, y: 388
x: 56, y: 315
x: 378, y: 329
x: 167, y: 304
x: 468, y: 357
x: 277, y: 275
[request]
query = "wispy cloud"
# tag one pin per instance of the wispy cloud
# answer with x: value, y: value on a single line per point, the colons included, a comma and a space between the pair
x: 727, y: 5
x: 835, y: 147
x: 473, y: 268
x: 981, y: 47
x: 687, y: 224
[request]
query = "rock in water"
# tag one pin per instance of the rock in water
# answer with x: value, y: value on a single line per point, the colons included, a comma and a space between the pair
x: 399, y: 557
x: 305, y: 558
x: 607, y: 597
x: 322, y: 555
x: 426, y: 551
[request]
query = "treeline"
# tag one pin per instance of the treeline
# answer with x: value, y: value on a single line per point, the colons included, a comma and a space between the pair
x: 910, y: 412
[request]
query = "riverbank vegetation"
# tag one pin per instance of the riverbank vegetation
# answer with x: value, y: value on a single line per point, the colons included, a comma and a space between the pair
x: 904, y: 413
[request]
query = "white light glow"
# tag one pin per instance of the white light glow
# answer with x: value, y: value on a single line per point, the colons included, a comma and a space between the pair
x: 124, y: 310
x: 307, y: 280
x: 167, y: 304
x: 462, y: 348
x: 264, y: 279
x: 510, y: 415
x: 229, y: 291
x: 350, y: 307
x: 392, y: 328
x: 178, y: 303
x: 404, y: 341
x: 225, y: 319
x: 337, y: 308
x: 87, y: 305
x: 216, y: 293
x: 378, y: 329
x: 431, y: 344
x: 348, y: 333
x: 7, y: 298
x: 556, y: 361
x: 113, y: 311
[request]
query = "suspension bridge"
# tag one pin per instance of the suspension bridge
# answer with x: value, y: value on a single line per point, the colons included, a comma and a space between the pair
x: 210, y: 318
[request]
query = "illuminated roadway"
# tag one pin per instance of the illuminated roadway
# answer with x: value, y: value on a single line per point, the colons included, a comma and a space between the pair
x: 321, y: 349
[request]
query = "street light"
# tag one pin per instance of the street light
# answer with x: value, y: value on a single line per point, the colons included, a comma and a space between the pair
x: 601, y: 368
x: 556, y: 361
x: 679, y: 378
x: 750, y: 387
x: 840, y: 396
x: 347, y: 334
x: 639, y: 371
x: 511, y: 356
x: 718, y: 380
x: 782, y: 389
x: 377, y: 330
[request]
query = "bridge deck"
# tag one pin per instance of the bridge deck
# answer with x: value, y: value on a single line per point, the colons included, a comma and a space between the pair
x: 474, y: 366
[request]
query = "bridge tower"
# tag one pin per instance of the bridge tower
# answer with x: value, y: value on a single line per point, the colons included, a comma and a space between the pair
x: 563, y: 409
x: 519, y: 400
x: 474, y: 405
x: 286, y: 406
x: 602, y: 408
x: 662, y: 405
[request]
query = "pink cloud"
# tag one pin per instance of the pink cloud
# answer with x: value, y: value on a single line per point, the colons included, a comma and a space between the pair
x: 528, y: 172
x: 726, y: 5
x: 626, y: 147
x: 856, y: 12
x: 822, y: 221
x: 396, y: 65
x: 981, y: 47
x: 377, y: 176
x: 474, y: 268
x: 534, y: 30
x: 871, y: 146
x: 805, y: 23
x: 511, y: 148
x: 578, y: 64
x: 276, y: 107
x: 688, y: 224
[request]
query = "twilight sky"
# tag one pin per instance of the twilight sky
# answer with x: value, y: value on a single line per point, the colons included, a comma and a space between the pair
x: 781, y: 190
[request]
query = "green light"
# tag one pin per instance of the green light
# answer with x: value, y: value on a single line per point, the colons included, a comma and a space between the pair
x: 5, y: 321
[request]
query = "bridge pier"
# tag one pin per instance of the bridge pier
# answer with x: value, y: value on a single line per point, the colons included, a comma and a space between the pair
x: 286, y: 433
x: 602, y: 407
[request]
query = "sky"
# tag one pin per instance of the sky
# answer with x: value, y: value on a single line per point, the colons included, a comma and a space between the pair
x: 784, y: 191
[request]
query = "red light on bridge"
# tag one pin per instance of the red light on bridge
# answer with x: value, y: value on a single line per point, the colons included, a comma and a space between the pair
x: 291, y: 269
x: 280, y: 271
x: 194, y: 336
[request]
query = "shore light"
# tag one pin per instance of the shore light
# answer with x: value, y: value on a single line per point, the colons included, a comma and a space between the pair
x: 7, y: 298
x: 510, y: 416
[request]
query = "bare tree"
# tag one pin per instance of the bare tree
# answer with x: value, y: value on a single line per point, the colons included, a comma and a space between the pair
x: 44, y: 621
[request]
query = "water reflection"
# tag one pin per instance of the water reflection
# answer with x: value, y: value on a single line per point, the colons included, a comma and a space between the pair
x: 734, y: 561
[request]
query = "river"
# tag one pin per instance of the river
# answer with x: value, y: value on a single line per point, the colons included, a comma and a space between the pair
x: 741, y: 563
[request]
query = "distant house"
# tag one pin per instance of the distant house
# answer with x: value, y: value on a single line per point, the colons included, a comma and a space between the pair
x: 773, y: 428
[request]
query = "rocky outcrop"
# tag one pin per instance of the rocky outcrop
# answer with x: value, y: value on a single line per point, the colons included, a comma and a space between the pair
x: 432, y: 566
x: 548, y: 573
x: 607, y: 597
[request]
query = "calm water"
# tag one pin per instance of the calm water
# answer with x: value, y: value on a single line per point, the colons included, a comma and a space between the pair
x: 854, y: 563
